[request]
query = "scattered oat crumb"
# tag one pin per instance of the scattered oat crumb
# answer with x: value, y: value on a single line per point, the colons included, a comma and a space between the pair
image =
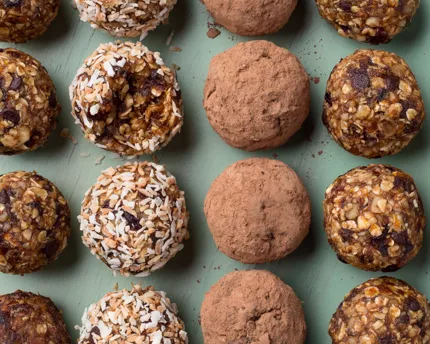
x: 275, y: 156
x: 175, y: 49
x: 99, y: 160
x: 320, y: 152
x: 315, y: 80
x: 213, y: 33
x: 155, y: 159
x: 115, y: 286
x: 66, y: 134
x: 170, y: 37
x: 131, y: 157
x: 175, y: 67
x: 84, y: 155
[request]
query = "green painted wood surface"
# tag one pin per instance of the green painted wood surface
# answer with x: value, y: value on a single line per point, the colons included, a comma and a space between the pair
x: 198, y: 155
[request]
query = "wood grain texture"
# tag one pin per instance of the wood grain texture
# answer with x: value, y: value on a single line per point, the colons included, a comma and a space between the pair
x: 198, y: 155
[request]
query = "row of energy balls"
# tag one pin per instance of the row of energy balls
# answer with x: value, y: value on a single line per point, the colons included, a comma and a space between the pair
x: 128, y: 208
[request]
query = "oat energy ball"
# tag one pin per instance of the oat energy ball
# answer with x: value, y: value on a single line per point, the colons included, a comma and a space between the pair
x: 374, y: 218
x: 251, y: 18
x: 28, y: 103
x: 125, y: 18
x: 382, y: 310
x: 372, y: 21
x: 135, y: 218
x: 252, y: 307
x: 258, y: 211
x: 126, y: 100
x: 136, y: 316
x: 373, y: 105
x: 27, y: 318
x: 21, y: 20
x: 257, y: 95
x: 34, y: 222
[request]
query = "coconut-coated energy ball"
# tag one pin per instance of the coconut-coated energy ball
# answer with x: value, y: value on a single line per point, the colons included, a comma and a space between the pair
x: 135, y: 218
x: 34, y: 222
x: 372, y: 21
x: 27, y: 318
x: 21, y: 20
x: 373, y: 105
x: 382, y: 310
x: 252, y: 307
x: 125, y: 18
x: 28, y: 103
x: 251, y: 18
x: 257, y: 95
x: 374, y: 218
x: 126, y: 100
x: 137, y: 316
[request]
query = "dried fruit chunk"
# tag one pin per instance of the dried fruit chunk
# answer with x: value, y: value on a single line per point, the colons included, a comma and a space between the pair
x: 21, y: 20
x: 383, y: 310
x: 374, y: 218
x: 34, y: 222
x: 136, y: 316
x: 28, y: 103
x: 26, y: 318
x: 134, y: 218
x: 373, y: 105
x: 372, y: 21
x: 126, y: 100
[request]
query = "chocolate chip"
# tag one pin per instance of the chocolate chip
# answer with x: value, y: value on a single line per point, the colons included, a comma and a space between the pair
x: 345, y: 234
x: 403, y: 183
x: 16, y: 83
x: 53, y: 100
x: 387, y: 340
x: 11, y: 115
x: 392, y: 82
x: 413, y: 304
x: 132, y: 220
x: 359, y: 79
x: 12, y: 3
x: 94, y: 330
x: 51, y: 249
x: 4, y: 197
x: 403, y: 318
x: 327, y: 98
x: 345, y: 5
x: 390, y: 268
x: 381, y: 37
x: 400, y: 238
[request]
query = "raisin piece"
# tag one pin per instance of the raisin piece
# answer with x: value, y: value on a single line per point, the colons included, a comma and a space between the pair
x: 94, y: 330
x: 403, y: 318
x: 413, y: 304
x: 11, y: 115
x: 387, y: 340
x: 392, y: 82
x: 345, y: 234
x: 4, y: 197
x: 16, y: 83
x: 327, y: 98
x: 345, y: 5
x: 51, y: 249
x: 359, y: 79
x: 53, y: 100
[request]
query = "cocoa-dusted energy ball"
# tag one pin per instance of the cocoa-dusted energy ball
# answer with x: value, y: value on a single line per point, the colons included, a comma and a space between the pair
x: 374, y: 218
x: 372, y: 21
x: 125, y: 18
x: 252, y: 307
x: 27, y: 318
x: 258, y: 210
x: 34, y: 222
x: 135, y: 218
x: 373, y: 105
x: 257, y: 95
x: 136, y: 316
x: 255, y: 18
x: 383, y: 310
x: 28, y: 103
x: 126, y: 100
x: 21, y: 20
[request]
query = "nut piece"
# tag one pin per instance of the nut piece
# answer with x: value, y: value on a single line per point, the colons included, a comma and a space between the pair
x: 26, y: 318
x: 125, y: 18
x: 372, y: 21
x: 28, y: 103
x: 138, y: 316
x: 34, y: 222
x: 374, y: 218
x: 373, y: 105
x: 21, y: 20
x: 126, y: 100
x: 383, y: 310
x: 134, y: 218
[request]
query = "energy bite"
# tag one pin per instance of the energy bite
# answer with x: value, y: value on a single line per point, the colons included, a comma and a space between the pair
x: 258, y: 211
x: 27, y: 318
x: 372, y: 21
x: 126, y: 100
x: 125, y: 18
x: 34, y: 222
x: 257, y: 95
x: 255, y: 18
x: 136, y: 316
x: 382, y: 310
x: 135, y: 218
x: 373, y: 105
x: 28, y: 103
x: 374, y: 218
x: 252, y: 307
x: 21, y: 20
